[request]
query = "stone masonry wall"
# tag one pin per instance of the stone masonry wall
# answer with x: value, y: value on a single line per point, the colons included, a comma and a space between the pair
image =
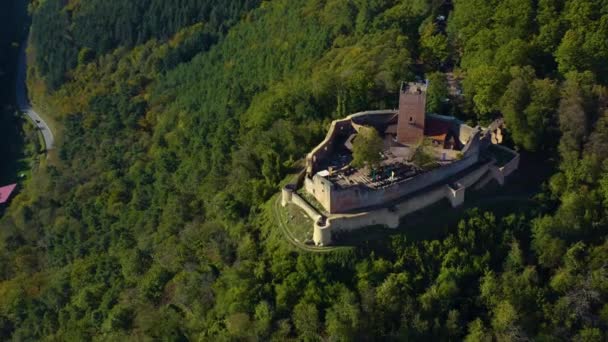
x: 512, y: 165
x: 323, y: 229
x: 390, y: 218
x: 341, y: 200
x: 320, y: 188
x: 325, y: 148
x: 356, y: 197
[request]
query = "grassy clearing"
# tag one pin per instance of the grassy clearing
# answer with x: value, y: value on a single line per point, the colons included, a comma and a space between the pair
x: 286, y: 229
x: 300, y: 225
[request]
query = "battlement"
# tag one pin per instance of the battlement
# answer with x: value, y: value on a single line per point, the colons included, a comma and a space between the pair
x: 423, y: 158
x: 340, y: 187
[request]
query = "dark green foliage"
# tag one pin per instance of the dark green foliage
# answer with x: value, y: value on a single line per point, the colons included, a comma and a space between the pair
x: 180, y: 121
x: 528, y: 105
x: 66, y: 35
x: 437, y: 98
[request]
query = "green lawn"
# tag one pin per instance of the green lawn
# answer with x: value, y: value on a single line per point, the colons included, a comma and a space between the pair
x: 300, y: 225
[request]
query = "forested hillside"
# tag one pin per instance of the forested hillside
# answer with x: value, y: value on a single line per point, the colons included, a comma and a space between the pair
x: 180, y: 120
x: 74, y: 33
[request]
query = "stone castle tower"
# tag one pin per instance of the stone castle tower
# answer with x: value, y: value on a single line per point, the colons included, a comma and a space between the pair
x: 412, y: 104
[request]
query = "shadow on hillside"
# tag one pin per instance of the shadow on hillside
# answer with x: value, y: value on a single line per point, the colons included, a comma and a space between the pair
x: 12, y: 147
x: 438, y: 220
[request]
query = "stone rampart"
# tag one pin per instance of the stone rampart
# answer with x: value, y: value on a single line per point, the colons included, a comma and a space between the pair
x: 343, y: 200
x: 320, y: 188
x: 326, y: 148
x: 342, y: 126
x: 390, y: 217
x: 289, y: 195
x: 512, y: 165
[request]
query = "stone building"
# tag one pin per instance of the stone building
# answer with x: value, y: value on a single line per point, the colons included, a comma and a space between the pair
x: 411, y: 117
x: 426, y: 157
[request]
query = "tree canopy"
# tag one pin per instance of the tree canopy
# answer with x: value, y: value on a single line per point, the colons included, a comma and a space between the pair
x: 367, y: 147
x: 178, y: 122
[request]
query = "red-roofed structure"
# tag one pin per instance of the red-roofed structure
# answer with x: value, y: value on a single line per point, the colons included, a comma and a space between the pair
x: 435, y: 127
x: 440, y: 132
x: 6, y: 192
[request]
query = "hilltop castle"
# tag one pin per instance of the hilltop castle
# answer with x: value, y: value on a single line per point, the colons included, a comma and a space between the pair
x: 456, y: 156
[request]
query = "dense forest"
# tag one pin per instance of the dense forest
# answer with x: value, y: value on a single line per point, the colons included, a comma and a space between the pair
x: 179, y: 120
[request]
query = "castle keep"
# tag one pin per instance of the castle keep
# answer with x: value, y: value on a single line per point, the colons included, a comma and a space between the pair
x: 411, y: 119
x: 425, y: 158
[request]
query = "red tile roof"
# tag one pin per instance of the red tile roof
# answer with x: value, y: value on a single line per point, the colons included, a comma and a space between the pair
x: 5, y: 192
x: 434, y: 127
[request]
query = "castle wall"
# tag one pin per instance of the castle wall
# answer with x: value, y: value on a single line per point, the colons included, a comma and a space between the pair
x: 320, y: 188
x: 465, y: 132
x: 310, y: 211
x: 473, y: 146
x: 326, y: 148
x: 490, y: 176
x: 343, y: 126
x: 391, y: 218
x: 423, y: 200
x: 473, y: 176
x: 375, y: 118
x: 288, y: 195
x: 323, y: 229
x: 500, y: 173
x: 357, y: 197
x: 512, y: 165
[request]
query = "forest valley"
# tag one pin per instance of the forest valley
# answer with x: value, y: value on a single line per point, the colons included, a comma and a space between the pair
x: 178, y: 120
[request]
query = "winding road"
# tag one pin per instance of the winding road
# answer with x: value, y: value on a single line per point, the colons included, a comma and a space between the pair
x: 23, y: 103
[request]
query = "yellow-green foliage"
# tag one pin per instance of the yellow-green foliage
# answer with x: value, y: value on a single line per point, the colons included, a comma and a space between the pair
x: 154, y: 224
x: 424, y: 156
x: 367, y: 147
